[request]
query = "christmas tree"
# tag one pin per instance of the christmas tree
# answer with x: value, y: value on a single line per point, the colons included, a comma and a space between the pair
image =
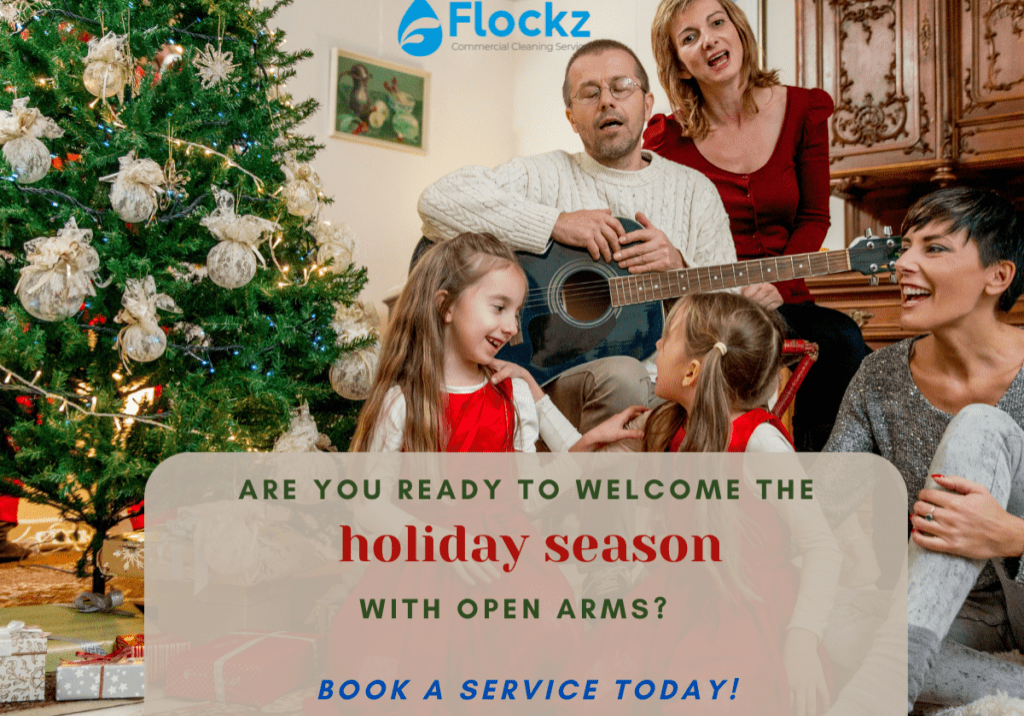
x: 167, y: 281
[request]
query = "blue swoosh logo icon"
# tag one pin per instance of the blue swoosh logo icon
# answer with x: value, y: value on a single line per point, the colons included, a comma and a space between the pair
x: 420, y: 41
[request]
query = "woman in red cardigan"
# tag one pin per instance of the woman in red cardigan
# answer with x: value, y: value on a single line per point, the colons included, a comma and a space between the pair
x: 765, y: 147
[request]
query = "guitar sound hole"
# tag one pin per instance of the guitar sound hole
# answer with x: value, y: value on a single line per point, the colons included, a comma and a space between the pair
x: 586, y: 296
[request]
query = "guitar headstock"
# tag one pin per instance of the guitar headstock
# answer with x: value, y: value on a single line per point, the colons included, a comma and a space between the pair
x: 872, y: 255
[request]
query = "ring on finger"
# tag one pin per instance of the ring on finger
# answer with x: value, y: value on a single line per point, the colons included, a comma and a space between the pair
x: 929, y: 516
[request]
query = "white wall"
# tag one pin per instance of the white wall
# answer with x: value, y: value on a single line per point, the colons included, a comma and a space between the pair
x: 374, y: 189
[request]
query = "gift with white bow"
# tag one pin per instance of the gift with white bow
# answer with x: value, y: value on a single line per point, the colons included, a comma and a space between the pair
x: 22, y: 662
x: 20, y: 130
x: 232, y: 262
x: 60, y: 273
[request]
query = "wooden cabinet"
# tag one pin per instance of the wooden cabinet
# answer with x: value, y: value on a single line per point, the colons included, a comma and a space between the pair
x: 928, y: 93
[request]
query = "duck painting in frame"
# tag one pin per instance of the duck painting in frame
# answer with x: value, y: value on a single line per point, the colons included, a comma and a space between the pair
x: 378, y: 102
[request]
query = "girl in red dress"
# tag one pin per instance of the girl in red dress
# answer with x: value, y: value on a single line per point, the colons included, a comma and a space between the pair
x: 756, y: 619
x: 434, y: 393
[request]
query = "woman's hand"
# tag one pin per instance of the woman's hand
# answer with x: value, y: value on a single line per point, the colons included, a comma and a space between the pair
x: 611, y: 430
x: 503, y: 369
x: 763, y: 293
x: 808, y: 690
x: 966, y: 521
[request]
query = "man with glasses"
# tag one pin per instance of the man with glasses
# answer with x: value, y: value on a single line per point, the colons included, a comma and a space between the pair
x: 574, y: 199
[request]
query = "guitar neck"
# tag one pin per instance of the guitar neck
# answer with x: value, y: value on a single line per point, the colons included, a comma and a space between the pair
x: 644, y: 287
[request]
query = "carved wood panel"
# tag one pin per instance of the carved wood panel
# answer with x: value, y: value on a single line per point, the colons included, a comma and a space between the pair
x: 877, y: 58
x: 991, y: 87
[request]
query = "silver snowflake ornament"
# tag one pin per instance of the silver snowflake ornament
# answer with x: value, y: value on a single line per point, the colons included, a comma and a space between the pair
x: 17, y: 12
x: 214, y: 66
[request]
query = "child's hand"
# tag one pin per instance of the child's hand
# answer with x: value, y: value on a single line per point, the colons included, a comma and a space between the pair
x: 503, y: 369
x: 611, y: 430
x: 808, y: 690
x: 470, y: 572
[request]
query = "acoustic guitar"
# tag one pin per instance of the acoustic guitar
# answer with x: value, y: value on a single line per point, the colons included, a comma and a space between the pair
x: 578, y: 310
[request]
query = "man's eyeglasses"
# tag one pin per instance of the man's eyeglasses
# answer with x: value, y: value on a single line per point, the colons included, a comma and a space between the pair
x: 620, y: 88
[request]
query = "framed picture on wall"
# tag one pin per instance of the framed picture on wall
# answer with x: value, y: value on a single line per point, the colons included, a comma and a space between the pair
x: 379, y: 103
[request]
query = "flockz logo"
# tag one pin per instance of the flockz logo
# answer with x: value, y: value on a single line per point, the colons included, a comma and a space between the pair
x: 420, y: 31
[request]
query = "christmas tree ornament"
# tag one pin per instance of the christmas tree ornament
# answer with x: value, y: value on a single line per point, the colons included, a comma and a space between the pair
x: 355, y: 322
x: 134, y: 194
x: 60, y: 273
x: 302, y: 435
x: 337, y: 244
x: 232, y: 262
x: 352, y: 374
x: 194, y: 335
x: 107, y: 66
x: 213, y: 65
x: 302, y: 187
x: 142, y: 340
x: 174, y: 185
x: 16, y: 13
x: 20, y: 130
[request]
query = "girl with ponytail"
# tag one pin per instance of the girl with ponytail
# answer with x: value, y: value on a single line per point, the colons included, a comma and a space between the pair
x: 717, y: 363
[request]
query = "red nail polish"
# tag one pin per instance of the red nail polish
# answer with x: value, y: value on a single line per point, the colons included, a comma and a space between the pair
x: 913, y: 530
x: 938, y: 475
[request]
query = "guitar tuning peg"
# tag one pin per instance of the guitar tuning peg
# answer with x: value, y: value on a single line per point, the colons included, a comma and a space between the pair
x: 893, y: 279
x: 873, y: 280
x: 867, y: 233
x: 887, y: 231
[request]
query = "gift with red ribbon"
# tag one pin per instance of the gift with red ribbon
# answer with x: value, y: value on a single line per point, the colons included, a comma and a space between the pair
x: 250, y: 667
x: 118, y: 675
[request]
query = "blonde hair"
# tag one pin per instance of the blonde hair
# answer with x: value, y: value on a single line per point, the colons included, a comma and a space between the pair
x: 688, y: 104
x: 413, y: 351
x: 741, y: 378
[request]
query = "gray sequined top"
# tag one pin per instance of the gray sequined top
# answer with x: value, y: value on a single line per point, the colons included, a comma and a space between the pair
x: 884, y: 413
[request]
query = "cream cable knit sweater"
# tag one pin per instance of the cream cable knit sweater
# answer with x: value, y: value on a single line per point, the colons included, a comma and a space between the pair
x: 519, y: 202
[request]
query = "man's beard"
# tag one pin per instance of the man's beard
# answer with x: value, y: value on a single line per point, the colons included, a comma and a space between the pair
x: 613, y: 149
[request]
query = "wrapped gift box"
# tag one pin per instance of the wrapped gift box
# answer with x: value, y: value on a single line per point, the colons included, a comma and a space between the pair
x: 159, y: 648
x: 125, y: 554
x: 72, y: 631
x: 101, y: 679
x: 22, y: 660
x: 253, y: 667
